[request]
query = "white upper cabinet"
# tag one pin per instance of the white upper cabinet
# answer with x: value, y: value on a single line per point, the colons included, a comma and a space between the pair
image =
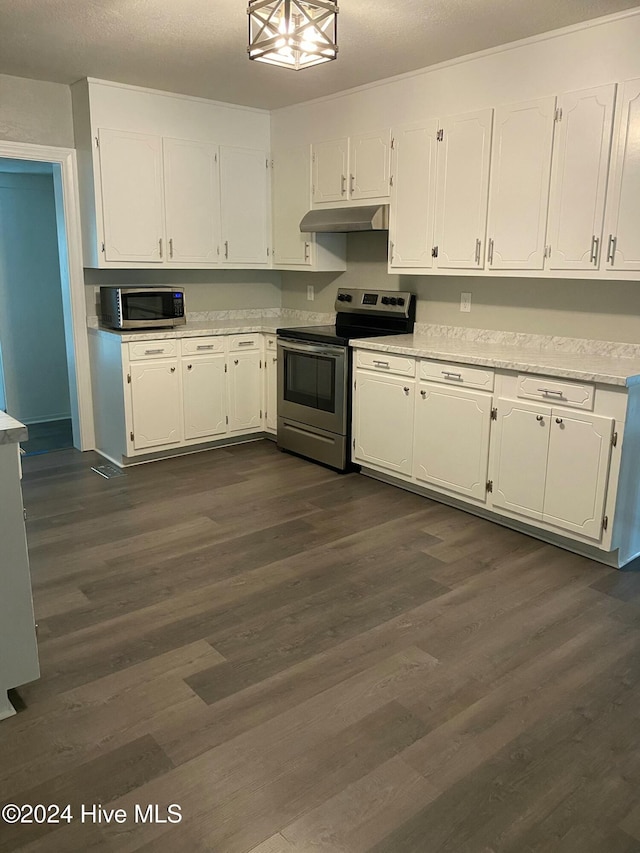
x: 622, y: 249
x: 413, y: 196
x: 132, y: 196
x: 351, y: 168
x: 192, y: 201
x: 579, y: 178
x: 244, y: 194
x: 464, y: 149
x: 519, y: 191
x: 291, y: 194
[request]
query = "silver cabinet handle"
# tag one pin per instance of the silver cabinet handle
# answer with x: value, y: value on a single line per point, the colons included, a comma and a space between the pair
x: 478, y: 247
x: 170, y: 247
x: 539, y: 418
x: 406, y: 390
x: 204, y: 346
x: 153, y: 351
x: 558, y: 420
x: 391, y: 248
x: 423, y: 394
x: 226, y: 248
x: 490, y: 255
x: 173, y: 370
x: 274, y: 359
x: 307, y: 251
x: 551, y: 391
x: 245, y: 343
x: 450, y: 375
x: 352, y: 182
x: 160, y: 246
x: 611, y: 250
x: 189, y: 366
x: 595, y: 245
x: 343, y: 184
x: 381, y: 363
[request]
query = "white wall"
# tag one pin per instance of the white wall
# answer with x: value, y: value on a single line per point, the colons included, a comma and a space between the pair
x: 35, y: 111
x: 565, y: 61
x: 31, y: 320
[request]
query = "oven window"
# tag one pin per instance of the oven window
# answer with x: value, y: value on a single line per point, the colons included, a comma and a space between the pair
x: 147, y: 306
x: 310, y: 380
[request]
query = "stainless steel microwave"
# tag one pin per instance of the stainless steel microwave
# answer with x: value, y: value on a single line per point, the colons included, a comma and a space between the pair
x: 141, y: 307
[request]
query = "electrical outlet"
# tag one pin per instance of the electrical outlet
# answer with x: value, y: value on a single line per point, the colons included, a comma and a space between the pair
x: 465, y: 303
x: 310, y: 293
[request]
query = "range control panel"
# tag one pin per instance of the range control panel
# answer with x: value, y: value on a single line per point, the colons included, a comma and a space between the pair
x: 390, y: 302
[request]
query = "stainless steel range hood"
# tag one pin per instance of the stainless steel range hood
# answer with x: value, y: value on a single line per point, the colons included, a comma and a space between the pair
x: 341, y: 219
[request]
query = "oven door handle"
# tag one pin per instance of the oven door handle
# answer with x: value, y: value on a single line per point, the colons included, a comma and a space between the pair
x: 320, y: 349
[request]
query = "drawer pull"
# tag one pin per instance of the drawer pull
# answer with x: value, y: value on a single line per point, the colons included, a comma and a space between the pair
x: 153, y: 351
x: 558, y: 420
x: 204, y: 346
x: 450, y: 375
x: 539, y: 418
x: 551, y: 391
x: 381, y: 363
x: 245, y: 343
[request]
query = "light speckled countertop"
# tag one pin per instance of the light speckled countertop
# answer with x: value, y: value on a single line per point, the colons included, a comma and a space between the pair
x: 11, y: 430
x: 588, y: 367
x: 199, y: 329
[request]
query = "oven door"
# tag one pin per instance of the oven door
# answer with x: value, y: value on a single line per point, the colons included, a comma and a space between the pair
x: 312, y: 384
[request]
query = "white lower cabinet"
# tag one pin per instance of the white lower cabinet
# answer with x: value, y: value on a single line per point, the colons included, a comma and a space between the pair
x: 383, y: 421
x: 452, y: 439
x: 245, y: 391
x: 204, y: 396
x: 155, y: 403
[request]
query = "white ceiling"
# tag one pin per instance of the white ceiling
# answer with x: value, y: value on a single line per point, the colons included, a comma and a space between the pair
x: 198, y: 47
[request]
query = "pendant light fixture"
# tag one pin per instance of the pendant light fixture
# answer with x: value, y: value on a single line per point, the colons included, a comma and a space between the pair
x: 293, y: 33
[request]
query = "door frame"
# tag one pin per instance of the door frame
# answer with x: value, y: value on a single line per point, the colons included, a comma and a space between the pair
x: 72, y: 280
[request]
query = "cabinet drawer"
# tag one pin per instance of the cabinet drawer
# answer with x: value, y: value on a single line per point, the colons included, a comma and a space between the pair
x: 457, y: 374
x: 202, y: 346
x: 402, y: 365
x: 576, y: 394
x: 238, y: 343
x: 271, y: 342
x: 153, y: 349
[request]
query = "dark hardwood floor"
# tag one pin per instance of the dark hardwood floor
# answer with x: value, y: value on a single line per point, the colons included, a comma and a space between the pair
x: 304, y: 661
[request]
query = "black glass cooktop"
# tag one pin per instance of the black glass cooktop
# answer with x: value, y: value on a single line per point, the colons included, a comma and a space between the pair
x: 332, y: 334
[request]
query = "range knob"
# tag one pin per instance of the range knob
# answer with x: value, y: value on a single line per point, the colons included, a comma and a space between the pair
x: 393, y: 300
x: 341, y: 297
x: 400, y: 300
x: 385, y: 300
x: 347, y: 297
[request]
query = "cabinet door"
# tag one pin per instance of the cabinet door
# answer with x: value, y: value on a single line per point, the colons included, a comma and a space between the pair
x: 623, y: 204
x: 204, y: 396
x: 577, y: 471
x: 413, y: 196
x: 519, y: 187
x: 369, y: 162
x: 271, y: 395
x: 452, y: 439
x: 192, y: 201
x: 383, y: 421
x: 244, y: 194
x: 132, y: 196
x: 330, y: 168
x: 579, y: 178
x: 519, y: 457
x: 155, y: 403
x: 463, y: 187
x: 291, y: 200
x: 245, y: 392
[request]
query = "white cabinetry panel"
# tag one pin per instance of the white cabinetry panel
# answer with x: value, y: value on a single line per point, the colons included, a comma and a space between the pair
x: 519, y: 191
x: 383, y: 421
x: 244, y: 194
x: 623, y: 204
x: 245, y: 391
x: 452, y: 439
x: 291, y: 200
x: 192, y: 201
x: 463, y: 187
x: 413, y: 196
x: 330, y: 169
x: 132, y: 196
x: 579, y: 178
x: 155, y: 403
x: 204, y: 395
x: 369, y: 165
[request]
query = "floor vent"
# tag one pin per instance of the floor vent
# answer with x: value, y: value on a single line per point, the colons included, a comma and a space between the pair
x: 107, y: 471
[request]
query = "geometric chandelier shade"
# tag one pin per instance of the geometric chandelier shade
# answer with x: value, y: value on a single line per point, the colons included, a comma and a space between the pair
x: 293, y: 33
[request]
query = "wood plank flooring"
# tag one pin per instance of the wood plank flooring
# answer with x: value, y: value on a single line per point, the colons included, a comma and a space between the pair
x: 304, y: 661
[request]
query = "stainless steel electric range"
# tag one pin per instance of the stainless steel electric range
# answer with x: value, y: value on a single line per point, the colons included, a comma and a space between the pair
x: 314, y: 372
